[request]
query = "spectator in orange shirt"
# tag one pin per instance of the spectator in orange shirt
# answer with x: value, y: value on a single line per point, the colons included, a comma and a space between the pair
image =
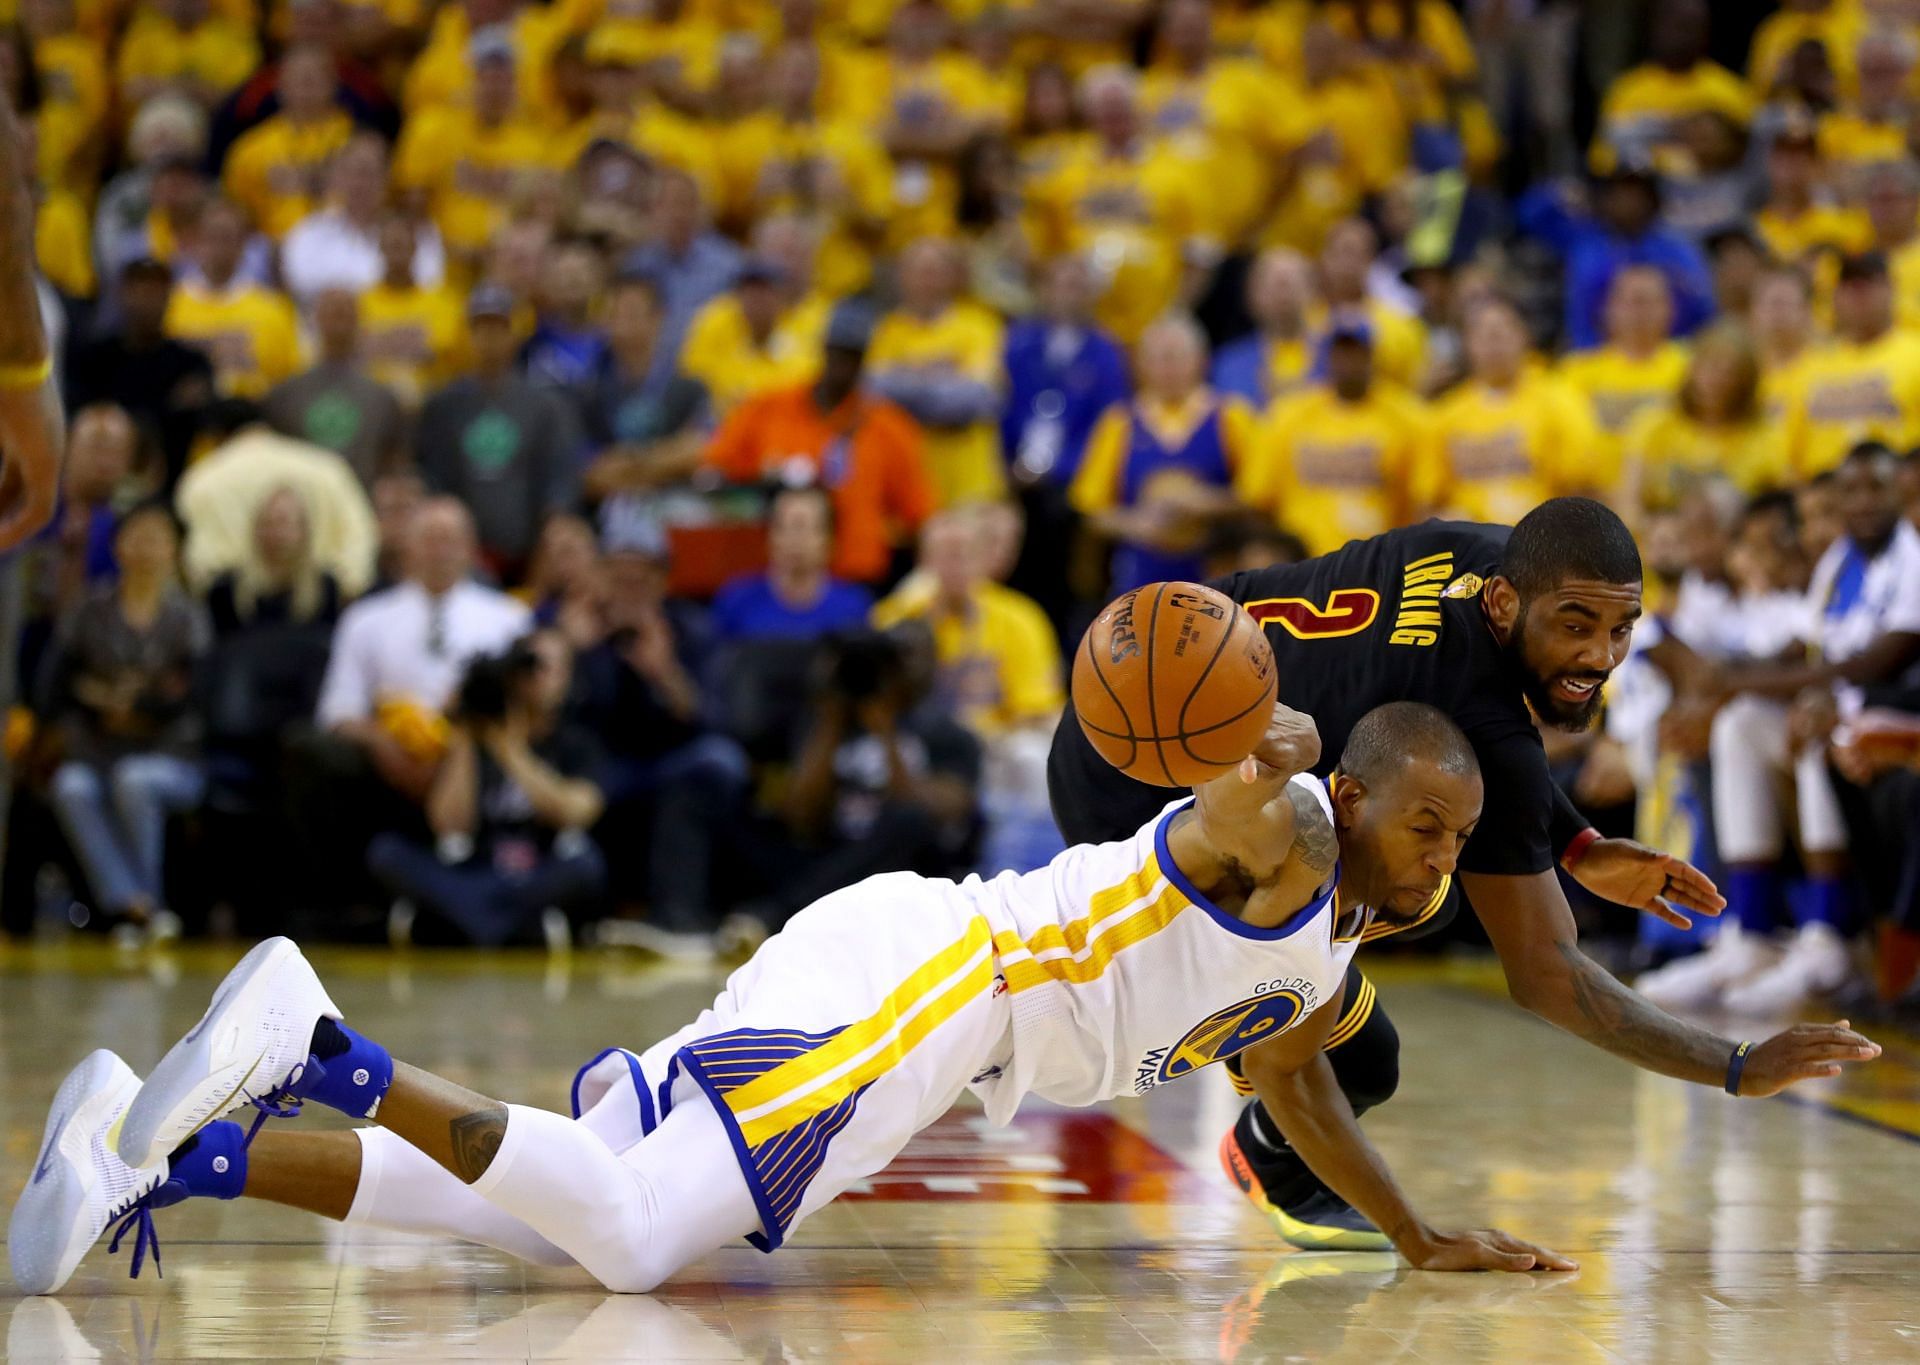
x: 867, y: 451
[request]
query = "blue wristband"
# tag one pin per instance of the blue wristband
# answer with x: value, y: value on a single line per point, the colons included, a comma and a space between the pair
x: 1735, y: 1065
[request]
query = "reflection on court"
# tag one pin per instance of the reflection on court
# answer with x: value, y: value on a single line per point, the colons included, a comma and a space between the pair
x: 1706, y: 1228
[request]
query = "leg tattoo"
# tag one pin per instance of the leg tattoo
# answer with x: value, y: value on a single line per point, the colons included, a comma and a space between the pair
x: 475, y: 1140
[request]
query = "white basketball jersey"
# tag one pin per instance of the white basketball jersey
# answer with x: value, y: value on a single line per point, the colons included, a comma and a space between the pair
x: 1121, y: 975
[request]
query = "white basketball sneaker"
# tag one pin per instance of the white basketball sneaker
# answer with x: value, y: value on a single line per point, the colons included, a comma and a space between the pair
x: 1699, y: 982
x: 1816, y: 963
x: 79, y: 1184
x: 253, y: 1039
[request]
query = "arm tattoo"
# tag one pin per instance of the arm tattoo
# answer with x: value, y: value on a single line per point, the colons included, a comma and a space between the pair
x: 1611, y: 1016
x: 1314, y: 841
x: 475, y: 1140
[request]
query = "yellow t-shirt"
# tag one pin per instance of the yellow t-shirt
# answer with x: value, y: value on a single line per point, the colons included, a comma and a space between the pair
x: 1903, y: 269
x: 411, y: 338
x: 1645, y: 104
x: 1620, y: 388
x: 1668, y: 451
x: 999, y: 664
x: 1823, y: 227
x: 1846, y: 139
x: 1780, y: 386
x: 217, y: 53
x: 1855, y: 393
x: 720, y: 353
x: 1353, y: 143
x: 1236, y: 120
x: 467, y: 170
x: 73, y: 106
x: 688, y: 45
x: 1332, y: 471
x: 442, y: 75
x: 1495, y: 456
x: 62, y: 245
x: 1839, y: 28
x: 1098, y: 483
x: 925, y: 193
x: 965, y: 341
x: 250, y: 334
x: 767, y: 165
x: 1133, y: 219
x: 275, y: 170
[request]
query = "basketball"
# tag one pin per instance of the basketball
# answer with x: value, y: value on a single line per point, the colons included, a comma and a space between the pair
x: 1174, y: 684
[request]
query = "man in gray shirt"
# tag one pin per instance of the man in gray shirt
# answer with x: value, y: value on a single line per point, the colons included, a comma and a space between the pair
x: 336, y: 404
x: 508, y: 450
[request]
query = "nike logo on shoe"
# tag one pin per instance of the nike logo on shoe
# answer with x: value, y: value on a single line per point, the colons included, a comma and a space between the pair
x: 45, y: 1163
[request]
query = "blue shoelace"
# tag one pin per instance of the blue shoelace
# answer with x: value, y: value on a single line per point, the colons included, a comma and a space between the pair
x: 284, y: 1103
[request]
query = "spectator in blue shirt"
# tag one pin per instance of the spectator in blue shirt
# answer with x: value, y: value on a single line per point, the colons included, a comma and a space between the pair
x: 691, y: 261
x: 796, y: 598
x: 568, y: 348
x: 1273, y: 358
x: 1063, y: 372
x: 1622, y: 230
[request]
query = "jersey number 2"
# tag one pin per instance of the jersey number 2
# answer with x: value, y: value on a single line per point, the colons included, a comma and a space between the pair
x: 1347, y: 612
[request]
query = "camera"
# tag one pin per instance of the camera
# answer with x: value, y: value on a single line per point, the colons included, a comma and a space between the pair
x: 491, y: 683
x: 863, y: 665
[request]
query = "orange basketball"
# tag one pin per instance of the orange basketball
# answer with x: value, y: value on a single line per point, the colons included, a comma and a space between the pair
x: 1174, y: 684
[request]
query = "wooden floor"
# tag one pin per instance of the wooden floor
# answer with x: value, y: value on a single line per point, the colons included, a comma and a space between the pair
x: 1706, y: 1228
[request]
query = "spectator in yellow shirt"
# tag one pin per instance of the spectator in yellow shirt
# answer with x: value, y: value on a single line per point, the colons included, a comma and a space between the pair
x: 1715, y: 432
x: 766, y: 332
x: 410, y: 335
x: 1642, y: 114
x: 1356, y: 140
x: 1346, y: 265
x: 443, y: 75
x: 276, y: 171
x: 248, y: 331
x: 1866, y: 386
x: 1271, y: 361
x: 997, y: 659
x: 70, y: 121
x: 1874, y: 124
x: 932, y: 101
x: 1339, y: 461
x: 1795, y: 223
x: 1782, y: 324
x: 1891, y: 197
x: 463, y: 163
x: 1834, y: 26
x: 1137, y: 213
x: 1512, y: 435
x: 938, y: 356
x: 1639, y: 367
x: 183, y: 45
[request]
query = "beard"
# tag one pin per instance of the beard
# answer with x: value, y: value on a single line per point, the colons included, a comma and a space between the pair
x: 1537, y: 686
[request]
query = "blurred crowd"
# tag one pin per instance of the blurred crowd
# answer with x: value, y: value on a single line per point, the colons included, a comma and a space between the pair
x: 639, y: 464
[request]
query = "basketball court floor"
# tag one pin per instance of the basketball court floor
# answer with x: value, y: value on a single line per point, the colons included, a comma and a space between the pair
x: 1706, y: 1229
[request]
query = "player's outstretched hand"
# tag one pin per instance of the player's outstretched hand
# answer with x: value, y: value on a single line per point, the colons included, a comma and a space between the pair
x: 1292, y: 745
x: 1481, y: 1249
x: 1660, y: 884
x: 1802, y: 1053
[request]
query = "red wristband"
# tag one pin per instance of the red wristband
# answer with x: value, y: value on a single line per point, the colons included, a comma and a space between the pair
x: 1576, y: 848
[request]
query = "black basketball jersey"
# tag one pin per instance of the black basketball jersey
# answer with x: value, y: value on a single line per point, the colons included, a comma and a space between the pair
x: 1395, y: 618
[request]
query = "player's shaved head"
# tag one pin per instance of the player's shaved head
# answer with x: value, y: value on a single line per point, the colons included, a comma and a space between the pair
x: 1389, y: 738
x: 1569, y: 538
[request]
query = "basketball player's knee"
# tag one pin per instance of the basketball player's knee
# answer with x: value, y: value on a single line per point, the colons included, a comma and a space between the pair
x: 1367, y: 1065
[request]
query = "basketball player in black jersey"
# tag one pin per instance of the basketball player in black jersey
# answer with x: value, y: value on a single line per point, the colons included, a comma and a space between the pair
x: 1493, y: 626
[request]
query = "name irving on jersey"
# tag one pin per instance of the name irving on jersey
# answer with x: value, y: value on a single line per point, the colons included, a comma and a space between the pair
x: 1273, y: 1008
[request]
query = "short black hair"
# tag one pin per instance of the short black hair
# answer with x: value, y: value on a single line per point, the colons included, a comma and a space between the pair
x: 1567, y: 538
x: 1876, y: 453
x: 1389, y: 737
x: 224, y: 416
x: 1774, y: 502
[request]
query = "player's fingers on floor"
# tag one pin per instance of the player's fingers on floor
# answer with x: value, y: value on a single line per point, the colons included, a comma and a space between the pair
x: 1543, y: 1259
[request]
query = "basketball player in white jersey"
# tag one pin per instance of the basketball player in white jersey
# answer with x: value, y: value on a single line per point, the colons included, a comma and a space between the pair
x: 1227, y: 920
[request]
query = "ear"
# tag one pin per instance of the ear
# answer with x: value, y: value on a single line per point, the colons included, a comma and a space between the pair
x: 1348, y: 793
x: 1502, y: 602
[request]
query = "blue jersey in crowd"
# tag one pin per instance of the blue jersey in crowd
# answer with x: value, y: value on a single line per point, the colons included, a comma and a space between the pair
x: 749, y: 609
x: 1059, y: 382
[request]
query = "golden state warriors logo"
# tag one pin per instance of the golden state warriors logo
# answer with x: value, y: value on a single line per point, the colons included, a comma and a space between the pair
x: 1224, y: 1033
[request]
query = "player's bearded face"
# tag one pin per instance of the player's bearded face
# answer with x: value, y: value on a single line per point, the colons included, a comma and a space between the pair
x: 1564, y: 689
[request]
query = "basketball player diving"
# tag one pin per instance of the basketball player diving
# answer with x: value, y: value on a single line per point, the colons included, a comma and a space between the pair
x: 1229, y: 916
x: 1492, y: 626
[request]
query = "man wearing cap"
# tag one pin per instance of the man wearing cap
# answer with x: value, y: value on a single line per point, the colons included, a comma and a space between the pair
x: 766, y: 331
x: 832, y: 432
x: 1336, y: 462
x: 1866, y: 385
x: 508, y: 449
x: 463, y: 160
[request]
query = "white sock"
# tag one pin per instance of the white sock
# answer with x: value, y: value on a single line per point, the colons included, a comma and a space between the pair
x: 633, y: 1219
x: 403, y: 1190
x: 1265, y: 1133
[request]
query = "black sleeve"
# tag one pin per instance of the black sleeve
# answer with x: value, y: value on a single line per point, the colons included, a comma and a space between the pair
x: 1516, y: 816
x: 1565, y: 823
x: 951, y: 751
